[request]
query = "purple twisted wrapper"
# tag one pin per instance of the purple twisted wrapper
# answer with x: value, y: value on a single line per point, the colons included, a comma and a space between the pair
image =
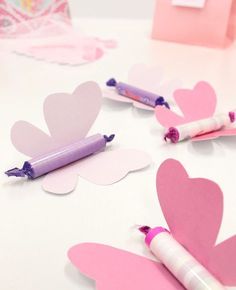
x: 172, y: 134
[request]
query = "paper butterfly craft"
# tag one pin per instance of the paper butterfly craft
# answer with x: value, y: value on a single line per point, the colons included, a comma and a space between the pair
x: 55, y: 41
x: 196, y: 104
x: 69, y: 117
x: 146, y: 78
x: 13, y: 12
x: 71, y: 49
x: 193, y: 209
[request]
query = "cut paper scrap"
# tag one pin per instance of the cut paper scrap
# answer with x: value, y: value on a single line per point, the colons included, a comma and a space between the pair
x: 69, y: 49
x: 14, y: 12
x: 56, y: 41
x: 69, y: 117
x: 148, y: 79
x: 196, y: 104
x: 193, y: 209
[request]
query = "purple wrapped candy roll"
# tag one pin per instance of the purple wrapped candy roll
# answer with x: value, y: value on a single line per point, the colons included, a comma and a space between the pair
x: 60, y: 157
x: 137, y: 94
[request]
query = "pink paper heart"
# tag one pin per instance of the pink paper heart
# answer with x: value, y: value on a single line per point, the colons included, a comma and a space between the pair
x: 116, y: 269
x: 196, y: 104
x: 103, y: 168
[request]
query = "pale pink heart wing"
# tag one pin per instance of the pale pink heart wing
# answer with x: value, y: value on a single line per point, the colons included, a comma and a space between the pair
x: 116, y: 269
x: 103, y: 168
x: 112, y: 94
x: 196, y: 104
x: 61, y: 181
x: 151, y: 79
x: 30, y: 140
x: 192, y: 208
x: 222, y: 261
x: 142, y: 106
x: 167, y: 88
x: 145, y: 77
x: 215, y: 135
x: 70, y: 116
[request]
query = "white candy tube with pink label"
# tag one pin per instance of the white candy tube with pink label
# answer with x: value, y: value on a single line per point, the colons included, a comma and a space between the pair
x: 200, y: 127
x: 188, y: 271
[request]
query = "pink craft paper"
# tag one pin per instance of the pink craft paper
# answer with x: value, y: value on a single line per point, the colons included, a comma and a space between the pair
x: 103, y: 168
x: 212, y: 25
x: 193, y: 209
x: 70, y: 47
x: 198, y: 103
x: 215, y: 135
x: 14, y: 12
x: 69, y: 117
x: 116, y: 269
x: 146, y: 78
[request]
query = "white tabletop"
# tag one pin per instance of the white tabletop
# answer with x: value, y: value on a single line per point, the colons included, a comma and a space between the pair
x: 37, y: 228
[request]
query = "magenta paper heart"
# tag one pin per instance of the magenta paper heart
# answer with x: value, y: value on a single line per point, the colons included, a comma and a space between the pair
x: 193, y: 209
x: 69, y: 117
x: 146, y: 78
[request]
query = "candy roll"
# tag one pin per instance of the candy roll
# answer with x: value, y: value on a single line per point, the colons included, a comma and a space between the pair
x: 139, y: 95
x: 188, y: 271
x: 200, y: 127
x: 60, y: 157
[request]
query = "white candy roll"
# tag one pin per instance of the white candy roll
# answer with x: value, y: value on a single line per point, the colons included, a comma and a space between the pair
x: 188, y: 271
x: 200, y: 127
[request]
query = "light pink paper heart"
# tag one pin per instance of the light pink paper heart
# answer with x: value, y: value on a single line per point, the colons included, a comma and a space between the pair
x: 193, y: 210
x: 146, y: 78
x: 196, y: 104
x: 110, y: 166
x: 69, y: 117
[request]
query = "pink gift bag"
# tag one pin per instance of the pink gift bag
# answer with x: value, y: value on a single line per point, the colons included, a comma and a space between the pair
x: 199, y: 22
